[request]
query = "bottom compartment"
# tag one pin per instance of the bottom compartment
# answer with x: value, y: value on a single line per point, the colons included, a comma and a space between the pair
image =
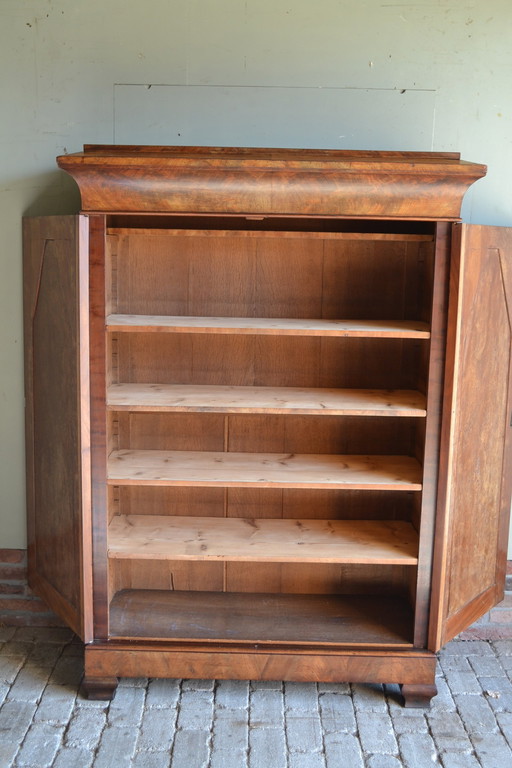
x: 265, y: 619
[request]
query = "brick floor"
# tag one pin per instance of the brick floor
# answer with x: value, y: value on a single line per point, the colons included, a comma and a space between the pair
x: 46, y: 723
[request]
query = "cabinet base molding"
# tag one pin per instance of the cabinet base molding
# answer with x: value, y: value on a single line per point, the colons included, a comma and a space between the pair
x: 414, y: 670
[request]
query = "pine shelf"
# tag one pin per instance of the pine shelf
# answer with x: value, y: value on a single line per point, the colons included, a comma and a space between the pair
x: 395, y: 329
x: 263, y: 470
x: 285, y: 400
x: 389, y: 542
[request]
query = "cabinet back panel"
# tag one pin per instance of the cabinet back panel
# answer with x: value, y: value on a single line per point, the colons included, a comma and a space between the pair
x: 165, y: 574
x: 235, y: 275
x: 394, y: 363
x: 266, y: 502
x: 298, y: 578
x: 328, y: 505
x: 185, y: 432
x: 314, y: 578
x: 266, y: 434
x: 167, y: 358
x: 374, y: 280
x: 181, y: 501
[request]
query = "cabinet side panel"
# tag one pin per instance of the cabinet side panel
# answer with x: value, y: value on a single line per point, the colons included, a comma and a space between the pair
x: 57, y: 438
x: 426, y: 521
x: 476, y: 495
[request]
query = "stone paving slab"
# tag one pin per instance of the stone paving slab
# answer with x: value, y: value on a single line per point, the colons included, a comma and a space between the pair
x: 46, y: 723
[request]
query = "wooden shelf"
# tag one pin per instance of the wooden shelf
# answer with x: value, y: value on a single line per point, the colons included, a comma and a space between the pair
x: 263, y: 470
x: 264, y: 540
x: 389, y: 329
x: 237, y: 617
x: 279, y: 400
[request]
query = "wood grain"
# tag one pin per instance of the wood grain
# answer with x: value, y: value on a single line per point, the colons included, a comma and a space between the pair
x: 333, y: 504
x: 332, y: 435
x: 233, y: 661
x: 263, y: 181
x: 263, y: 540
x: 311, y: 578
x: 57, y: 420
x: 476, y: 458
x: 292, y: 400
x: 260, y: 618
x: 155, y: 573
x: 230, y: 469
x: 270, y: 360
x: 267, y: 275
x: 314, y: 578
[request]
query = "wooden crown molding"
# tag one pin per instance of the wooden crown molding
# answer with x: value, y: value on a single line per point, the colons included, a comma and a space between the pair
x: 252, y: 181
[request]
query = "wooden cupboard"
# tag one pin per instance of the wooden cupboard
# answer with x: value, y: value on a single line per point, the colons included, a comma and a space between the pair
x: 267, y: 413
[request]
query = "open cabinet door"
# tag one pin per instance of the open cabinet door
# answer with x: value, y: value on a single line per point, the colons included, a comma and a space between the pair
x: 57, y: 415
x: 475, y: 481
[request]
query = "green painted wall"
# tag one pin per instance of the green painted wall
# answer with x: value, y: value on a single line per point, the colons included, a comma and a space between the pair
x: 339, y: 73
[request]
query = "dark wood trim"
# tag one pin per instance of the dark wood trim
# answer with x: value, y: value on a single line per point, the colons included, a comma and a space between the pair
x: 264, y: 154
x: 119, y: 660
x: 97, y: 234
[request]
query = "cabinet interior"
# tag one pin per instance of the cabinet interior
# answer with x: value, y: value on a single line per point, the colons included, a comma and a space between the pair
x: 267, y: 390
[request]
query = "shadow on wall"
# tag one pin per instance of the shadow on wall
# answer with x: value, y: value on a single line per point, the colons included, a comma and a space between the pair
x: 56, y: 193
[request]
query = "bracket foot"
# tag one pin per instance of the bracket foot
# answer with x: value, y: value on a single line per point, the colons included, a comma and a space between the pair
x: 418, y: 695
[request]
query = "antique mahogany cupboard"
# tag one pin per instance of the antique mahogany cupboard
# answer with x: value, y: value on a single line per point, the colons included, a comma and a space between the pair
x: 268, y: 416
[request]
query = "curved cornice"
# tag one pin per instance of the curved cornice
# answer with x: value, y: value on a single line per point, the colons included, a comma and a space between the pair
x: 218, y: 180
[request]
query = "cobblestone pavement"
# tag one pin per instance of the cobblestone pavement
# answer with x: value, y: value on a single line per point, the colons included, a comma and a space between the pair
x: 44, y: 721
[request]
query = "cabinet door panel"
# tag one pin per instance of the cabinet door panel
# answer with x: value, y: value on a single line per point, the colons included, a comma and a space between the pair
x: 474, y: 492
x: 57, y: 402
